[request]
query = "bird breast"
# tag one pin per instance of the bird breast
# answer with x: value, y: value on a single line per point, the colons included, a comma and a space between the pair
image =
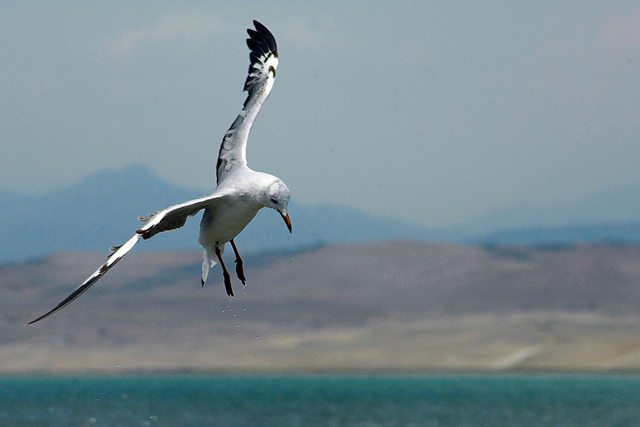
x: 225, y: 222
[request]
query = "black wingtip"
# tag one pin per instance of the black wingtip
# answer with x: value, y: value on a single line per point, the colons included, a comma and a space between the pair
x: 262, y: 46
x: 261, y: 40
x: 44, y: 315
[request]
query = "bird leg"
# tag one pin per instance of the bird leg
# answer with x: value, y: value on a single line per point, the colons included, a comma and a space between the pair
x: 225, y: 274
x: 239, y: 269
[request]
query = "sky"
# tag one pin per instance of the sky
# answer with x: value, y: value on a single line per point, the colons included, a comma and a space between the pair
x: 430, y: 112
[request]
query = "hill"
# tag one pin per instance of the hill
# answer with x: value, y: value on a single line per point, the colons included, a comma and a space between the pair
x: 102, y: 210
x: 604, y: 216
x: 625, y: 233
x: 398, y: 305
x: 612, y: 206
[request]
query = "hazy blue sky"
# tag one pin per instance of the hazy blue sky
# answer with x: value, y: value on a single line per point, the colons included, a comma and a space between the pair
x: 434, y: 112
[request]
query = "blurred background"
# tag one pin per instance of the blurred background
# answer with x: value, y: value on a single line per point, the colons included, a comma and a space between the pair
x: 465, y: 188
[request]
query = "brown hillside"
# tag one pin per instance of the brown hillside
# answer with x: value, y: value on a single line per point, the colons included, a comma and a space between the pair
x: 393, y: 305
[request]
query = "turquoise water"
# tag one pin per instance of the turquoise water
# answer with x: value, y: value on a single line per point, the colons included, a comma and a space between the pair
x: 456, y: 400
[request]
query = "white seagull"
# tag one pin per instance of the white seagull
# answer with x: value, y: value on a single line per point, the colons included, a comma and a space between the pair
x: 240, y: 192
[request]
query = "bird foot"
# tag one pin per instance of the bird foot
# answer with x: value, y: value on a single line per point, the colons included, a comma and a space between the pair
x: 227, y: 284
x: 240, y: 272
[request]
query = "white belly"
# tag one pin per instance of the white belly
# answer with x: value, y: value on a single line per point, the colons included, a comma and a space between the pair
x: 225, y: 222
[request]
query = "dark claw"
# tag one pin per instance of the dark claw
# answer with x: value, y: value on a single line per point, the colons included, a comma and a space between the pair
x: 227, y: 284
x: 240, y: 271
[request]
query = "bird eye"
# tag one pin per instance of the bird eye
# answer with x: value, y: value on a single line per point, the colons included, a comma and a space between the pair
x: 273, y: 199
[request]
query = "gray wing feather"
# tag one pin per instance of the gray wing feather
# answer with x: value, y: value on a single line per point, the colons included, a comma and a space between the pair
x: 262, y: 73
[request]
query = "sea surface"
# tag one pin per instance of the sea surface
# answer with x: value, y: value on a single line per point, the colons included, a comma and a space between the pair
x: 321, y: 400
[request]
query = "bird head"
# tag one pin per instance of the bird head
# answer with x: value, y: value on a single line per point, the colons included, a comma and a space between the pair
x: 277, y: 197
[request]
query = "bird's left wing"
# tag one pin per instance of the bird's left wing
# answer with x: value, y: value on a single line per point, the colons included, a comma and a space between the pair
x: 167, y: 219
x: 262, y: 74
x: 111, y: 261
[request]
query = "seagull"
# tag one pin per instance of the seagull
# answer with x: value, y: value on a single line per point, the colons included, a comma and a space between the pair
x: 240, y: 192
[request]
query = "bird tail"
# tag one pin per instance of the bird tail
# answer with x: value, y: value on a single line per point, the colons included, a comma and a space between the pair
x: 208, y: 261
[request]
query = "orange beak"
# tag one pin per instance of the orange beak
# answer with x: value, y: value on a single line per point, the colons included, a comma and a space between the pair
x: 287, y: 221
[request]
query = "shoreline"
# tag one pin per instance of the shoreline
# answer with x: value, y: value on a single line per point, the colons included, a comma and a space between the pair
x: 534, y: 342
x: 321, y: 374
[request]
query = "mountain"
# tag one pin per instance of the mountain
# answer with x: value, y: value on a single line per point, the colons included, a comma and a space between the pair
x: 604, y: 216
x: 101, y: 211
x: 92, y: 215
x: 565, y: 234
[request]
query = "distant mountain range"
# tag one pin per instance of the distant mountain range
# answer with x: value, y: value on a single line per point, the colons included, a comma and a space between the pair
x: 604, y: 216
x: 101, y: 211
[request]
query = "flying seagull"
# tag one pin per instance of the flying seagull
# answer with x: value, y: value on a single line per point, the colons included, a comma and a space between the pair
x: 240, y: 192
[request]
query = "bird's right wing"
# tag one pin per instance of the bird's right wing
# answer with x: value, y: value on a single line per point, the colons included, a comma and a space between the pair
x: 167, y: 219
x: 262, y: 74
x: 175, y: 216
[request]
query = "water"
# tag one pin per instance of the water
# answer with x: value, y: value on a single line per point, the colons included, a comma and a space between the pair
x: 456, y: 400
